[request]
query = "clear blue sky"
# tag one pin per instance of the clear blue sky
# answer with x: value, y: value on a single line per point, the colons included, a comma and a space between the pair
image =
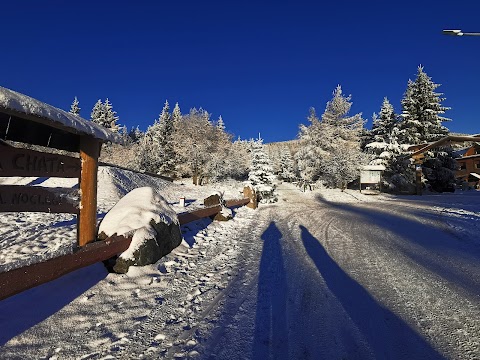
x: 261, y: 65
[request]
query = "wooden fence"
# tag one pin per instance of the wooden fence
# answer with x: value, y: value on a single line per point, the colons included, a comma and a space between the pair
x: 17, y: 280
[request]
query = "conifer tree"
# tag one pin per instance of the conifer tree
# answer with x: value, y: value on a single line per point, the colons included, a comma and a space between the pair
x: 75, y: 108
x: 385, y: 123
x: 176, y: 114
x: 287, y: 166
x: 421, y: 111
x: 104, y: 115
x: 261, y: 174
x: 166, y: 140
x: 98, y: 113
x: 422, y: 123
x: 220, y: 124
x: 110, y: 117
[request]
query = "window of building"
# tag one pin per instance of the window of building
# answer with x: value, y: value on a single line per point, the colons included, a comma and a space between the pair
x: 477, y: 165
x: 462, y: 166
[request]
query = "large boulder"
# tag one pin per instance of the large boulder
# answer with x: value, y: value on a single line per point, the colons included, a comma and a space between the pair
x: 155, y: 246
x: 149, y: 220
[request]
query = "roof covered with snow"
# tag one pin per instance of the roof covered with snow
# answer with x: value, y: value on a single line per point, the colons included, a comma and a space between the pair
x: 35, y: 110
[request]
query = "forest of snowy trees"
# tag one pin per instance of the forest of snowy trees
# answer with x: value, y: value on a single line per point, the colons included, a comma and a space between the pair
x: 329, y: 151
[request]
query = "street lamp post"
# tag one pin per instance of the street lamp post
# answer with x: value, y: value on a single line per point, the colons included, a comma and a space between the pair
x: 459, y: 33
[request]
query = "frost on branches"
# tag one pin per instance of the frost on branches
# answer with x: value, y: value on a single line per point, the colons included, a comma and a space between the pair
x: 422, y: 123
x: 261, y: 175
x: 330, y: 148
x: 157, y: 154
x: 386, y: 150
x: 75, y: 108
x: 287, y: 166
x: 104, y: 115
x: 421, y: 112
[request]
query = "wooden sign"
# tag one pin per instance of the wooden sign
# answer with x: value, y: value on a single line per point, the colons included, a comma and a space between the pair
x: 23, y: 162
x: 37, y: 199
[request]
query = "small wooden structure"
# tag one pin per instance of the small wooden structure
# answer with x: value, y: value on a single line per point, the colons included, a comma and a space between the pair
x: 371, y: 175
x: 26, y: 120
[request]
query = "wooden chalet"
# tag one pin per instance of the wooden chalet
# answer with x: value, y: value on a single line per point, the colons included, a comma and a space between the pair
x: 468, y: 159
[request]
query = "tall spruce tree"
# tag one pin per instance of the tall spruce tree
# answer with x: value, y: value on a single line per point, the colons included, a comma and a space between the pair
x: 104, y: 115
x: 385, y: 123
x: 261, y: 174
x: 287, y: 166
x: 98, y: 113
x: 422, y: 123
x: 75, y: 108
x: 110, y: 117
x: 220, y: 124
x: 176, y: 114
x: 421, y: 112
x: 167, y: 152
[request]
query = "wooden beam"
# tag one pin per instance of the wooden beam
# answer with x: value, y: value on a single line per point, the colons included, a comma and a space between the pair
x: 37, y: 199
x: 185, y: 218
x: 87, y: 220
x: 15, y: 281
x: 443, y: 140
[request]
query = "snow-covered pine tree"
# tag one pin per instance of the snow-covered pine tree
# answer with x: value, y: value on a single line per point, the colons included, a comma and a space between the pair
x: 261, y: 175
x: 135, y: 134
x: 220, y: 124
x: 176, y: 114
x: 383, y: 143
x: 287, y: 165
x: 75, y: 108
x: 384, y: 125
x: 422, y: 123
x: 110, y: 119
x: 166, y: 141
x: 386, y: 150
x: 421, y: 112
x: 98, y: 113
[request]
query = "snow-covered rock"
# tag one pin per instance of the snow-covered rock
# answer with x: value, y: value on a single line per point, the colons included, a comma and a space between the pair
x: 152, y: 223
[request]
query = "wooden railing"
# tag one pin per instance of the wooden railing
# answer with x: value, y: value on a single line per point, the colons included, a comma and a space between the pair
x: 15, y: 281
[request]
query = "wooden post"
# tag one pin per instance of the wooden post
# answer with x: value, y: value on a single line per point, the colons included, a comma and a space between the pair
x: 87, y: 220
x: 250, y: 193
x: 418, y: 177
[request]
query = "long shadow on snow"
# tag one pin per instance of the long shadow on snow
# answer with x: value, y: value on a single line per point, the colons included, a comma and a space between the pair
x: 388, y: 336
x: 271, y: 327
x: 433, y: 239
x: 29, y: 308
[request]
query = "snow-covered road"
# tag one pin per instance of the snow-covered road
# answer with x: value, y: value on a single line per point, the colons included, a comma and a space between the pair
x: 321, y: 275
x: 379, y: 279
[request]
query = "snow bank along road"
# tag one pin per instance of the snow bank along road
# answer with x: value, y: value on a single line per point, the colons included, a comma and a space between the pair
x: 323, y: 275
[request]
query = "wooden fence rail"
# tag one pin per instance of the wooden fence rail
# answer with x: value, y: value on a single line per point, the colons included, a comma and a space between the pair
x: 15, y: 281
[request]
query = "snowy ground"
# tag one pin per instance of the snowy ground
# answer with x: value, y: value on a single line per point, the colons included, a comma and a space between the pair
x: 319, y: 275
